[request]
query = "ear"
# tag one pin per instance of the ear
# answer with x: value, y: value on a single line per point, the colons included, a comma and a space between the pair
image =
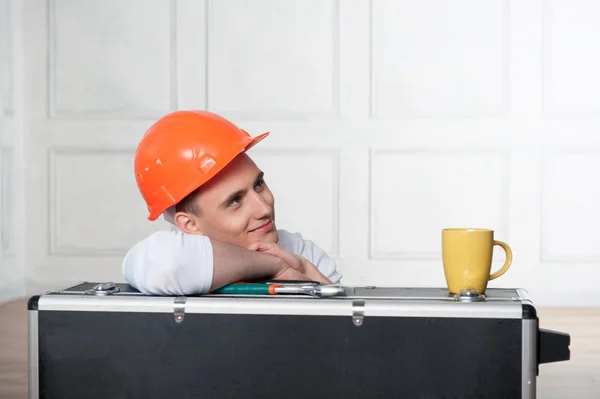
x: 188, y: 223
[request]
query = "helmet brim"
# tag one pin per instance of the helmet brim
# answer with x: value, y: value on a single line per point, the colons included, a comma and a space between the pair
x: 256, y: 140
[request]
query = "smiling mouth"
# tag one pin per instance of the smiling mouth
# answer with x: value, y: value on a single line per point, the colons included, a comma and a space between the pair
x: 264, y: 228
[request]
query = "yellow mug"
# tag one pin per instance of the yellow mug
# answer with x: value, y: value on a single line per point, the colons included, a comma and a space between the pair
x: 467, y: 257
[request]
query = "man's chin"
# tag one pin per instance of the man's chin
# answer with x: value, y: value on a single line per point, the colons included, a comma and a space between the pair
x: 272, y: 236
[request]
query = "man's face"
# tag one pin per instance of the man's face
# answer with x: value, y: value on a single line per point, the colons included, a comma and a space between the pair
x: 237, y: 206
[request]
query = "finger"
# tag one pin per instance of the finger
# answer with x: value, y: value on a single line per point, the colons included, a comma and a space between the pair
x: 256, y: 245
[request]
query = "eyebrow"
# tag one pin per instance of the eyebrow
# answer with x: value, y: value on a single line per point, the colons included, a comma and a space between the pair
x: 239, y: 193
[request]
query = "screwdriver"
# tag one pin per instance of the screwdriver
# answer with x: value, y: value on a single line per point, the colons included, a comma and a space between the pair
x: 312, y: 289
x: 248, y: 289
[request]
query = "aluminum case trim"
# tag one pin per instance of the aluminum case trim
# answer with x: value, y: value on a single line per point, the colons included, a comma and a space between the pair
x: 33, y: 349
x: 341, y: 306
x: 529, y: 359
x: 108, y: 303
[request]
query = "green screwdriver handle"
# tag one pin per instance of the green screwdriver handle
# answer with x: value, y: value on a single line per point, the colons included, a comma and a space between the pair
x: 247, y: 289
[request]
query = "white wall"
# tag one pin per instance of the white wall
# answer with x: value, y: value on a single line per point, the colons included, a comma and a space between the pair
x: 12, y: 211
x: 390, y: 120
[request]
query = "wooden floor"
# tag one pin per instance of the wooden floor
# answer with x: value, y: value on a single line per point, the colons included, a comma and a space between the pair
x: 578, y: 378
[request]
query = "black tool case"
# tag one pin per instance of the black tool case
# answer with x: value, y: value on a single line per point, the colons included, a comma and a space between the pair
x: 110, y: 341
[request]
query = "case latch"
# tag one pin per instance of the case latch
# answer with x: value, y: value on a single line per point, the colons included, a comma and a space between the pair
x: 103, y: 289
x: 179, y: 309
x: 358, y: 312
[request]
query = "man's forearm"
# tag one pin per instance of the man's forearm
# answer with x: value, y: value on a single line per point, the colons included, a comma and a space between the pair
x: 233, y: 263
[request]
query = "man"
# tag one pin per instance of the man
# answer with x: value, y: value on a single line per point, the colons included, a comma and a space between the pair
x: 192, y: 168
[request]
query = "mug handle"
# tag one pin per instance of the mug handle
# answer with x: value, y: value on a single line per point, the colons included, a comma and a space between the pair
x: 508, y: 261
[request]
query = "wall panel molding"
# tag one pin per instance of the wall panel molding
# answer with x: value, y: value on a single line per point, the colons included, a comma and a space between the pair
x: 6, y: 59
x: 570, y: 81
x: 406, y: 200
x: 255, y: 101
x: 569, y: 206
x: 95, y: 201
x: 425, y: 82
x: 124, y: 99
x: 7, y: 204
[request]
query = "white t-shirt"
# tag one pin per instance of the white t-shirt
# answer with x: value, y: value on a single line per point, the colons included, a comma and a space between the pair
x: 176, y: 263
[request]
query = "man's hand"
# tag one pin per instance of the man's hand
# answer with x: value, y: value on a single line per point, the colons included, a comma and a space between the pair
x: 233, y: 263
x: 275, y: 250
x: 298, y: 263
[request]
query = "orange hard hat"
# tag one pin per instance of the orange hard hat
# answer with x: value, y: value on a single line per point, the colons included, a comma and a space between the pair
x: 182, y: 151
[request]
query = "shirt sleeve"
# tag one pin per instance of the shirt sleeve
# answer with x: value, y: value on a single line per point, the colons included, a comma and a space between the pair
x: 306, y: 248
x: 170, y: 263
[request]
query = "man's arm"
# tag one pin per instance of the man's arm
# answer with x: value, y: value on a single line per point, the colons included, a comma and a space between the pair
x: 233, y: 263
x: 175, y: 263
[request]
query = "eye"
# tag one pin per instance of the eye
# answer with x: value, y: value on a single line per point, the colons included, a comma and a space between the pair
x: 259, y: 185
x: 235, y: 201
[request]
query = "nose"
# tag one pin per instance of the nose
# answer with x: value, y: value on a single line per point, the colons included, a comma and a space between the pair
x: 261, y: 209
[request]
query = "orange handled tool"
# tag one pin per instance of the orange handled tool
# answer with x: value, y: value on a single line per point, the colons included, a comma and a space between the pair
x: 304, y: 288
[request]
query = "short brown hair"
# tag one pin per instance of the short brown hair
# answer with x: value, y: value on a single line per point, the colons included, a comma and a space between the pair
x: 189, y: 204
